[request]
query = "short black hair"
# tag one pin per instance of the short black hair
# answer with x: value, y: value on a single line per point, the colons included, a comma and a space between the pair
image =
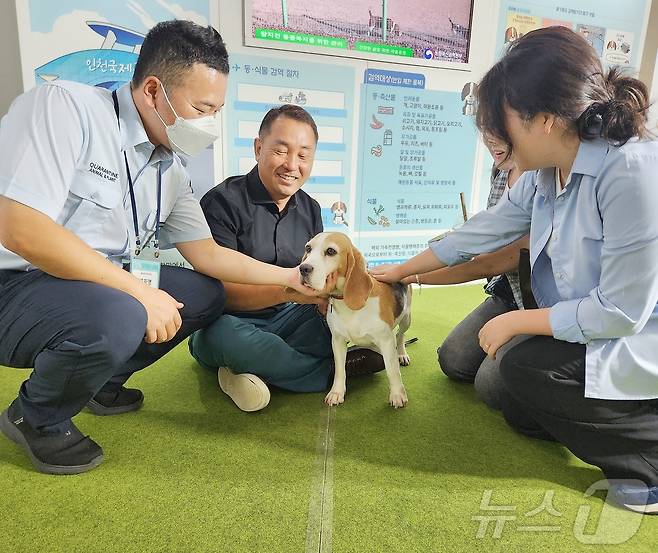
x: 292, y: 112
x: 172, y: 47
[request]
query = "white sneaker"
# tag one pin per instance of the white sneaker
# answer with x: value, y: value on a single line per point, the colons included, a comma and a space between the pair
x: 246, y: 390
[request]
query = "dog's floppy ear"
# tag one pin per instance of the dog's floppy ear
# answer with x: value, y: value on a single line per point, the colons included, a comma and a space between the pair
x: 358, y: 283
x: 306, y: 252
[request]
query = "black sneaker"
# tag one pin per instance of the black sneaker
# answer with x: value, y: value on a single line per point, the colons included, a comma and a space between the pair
x: 641, y: 499
x: 66, y: 452
x: 361, y: 361
x: 115, y: 403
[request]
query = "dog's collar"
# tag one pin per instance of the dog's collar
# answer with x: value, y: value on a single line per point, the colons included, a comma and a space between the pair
x: 333, y: 297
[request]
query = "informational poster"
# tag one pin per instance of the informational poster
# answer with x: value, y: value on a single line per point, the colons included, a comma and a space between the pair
x: 97, y: 42
x: 417, y: 156
x: 327, y: 92
x: 614, y: 29
x: 422, y: 32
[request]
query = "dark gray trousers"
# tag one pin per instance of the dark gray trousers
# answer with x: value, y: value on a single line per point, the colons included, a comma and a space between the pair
x: 544, y: 397
x: 82, y: 337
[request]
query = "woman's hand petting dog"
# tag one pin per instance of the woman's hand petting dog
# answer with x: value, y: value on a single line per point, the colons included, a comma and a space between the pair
x: 387, y: 273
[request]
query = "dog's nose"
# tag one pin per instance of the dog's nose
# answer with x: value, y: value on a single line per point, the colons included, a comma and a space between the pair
x: 305, y: 269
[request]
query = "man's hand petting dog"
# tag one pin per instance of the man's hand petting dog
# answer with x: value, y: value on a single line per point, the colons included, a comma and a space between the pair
x: 320, y: 299
x: 293, y: 282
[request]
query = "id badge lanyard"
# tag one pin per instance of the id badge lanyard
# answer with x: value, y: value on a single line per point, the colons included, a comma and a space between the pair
x: 146, y: 270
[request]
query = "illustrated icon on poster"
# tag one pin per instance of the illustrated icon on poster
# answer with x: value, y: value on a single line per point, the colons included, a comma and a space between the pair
x: 388, y: 137
x: 376, y: 150
x: 618, y: 47
x: 511, y: 34
x: 380, y: 218
x: 292, y: 98
x: 339, y: 210
x: 376, y: 123
x: 300, y: 99
x: 468, y: 97
x: 385, y: 110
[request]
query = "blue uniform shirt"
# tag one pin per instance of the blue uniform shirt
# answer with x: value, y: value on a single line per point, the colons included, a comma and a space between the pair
x: 601, y: 281
x: 61, y: 153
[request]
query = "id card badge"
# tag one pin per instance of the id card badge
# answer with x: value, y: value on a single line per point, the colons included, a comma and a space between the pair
x: 146, y: 267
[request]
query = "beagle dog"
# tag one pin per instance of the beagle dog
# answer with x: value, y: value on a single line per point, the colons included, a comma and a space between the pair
x: 362, y: 310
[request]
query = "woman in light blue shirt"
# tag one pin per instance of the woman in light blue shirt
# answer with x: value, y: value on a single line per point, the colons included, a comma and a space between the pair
x: 589, y: 377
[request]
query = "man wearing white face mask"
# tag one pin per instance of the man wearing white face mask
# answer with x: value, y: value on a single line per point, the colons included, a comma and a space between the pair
x: 191, y: 136
x: 91, y: 187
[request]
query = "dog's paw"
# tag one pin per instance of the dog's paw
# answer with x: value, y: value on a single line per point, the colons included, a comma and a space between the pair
x: 404, y: 359
x: 335, y: 397
x: 398, y: 398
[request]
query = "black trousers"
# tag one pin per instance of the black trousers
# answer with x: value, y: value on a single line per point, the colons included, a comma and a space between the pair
x: 544, y: 397
x: 82, y: 337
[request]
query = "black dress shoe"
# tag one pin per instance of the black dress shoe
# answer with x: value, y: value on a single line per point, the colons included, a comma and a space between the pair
x: 67, y: 452
x: 361, y: 361
x: 115, y: 403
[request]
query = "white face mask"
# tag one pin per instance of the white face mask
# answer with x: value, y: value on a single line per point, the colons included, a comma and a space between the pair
x: 191, y: 136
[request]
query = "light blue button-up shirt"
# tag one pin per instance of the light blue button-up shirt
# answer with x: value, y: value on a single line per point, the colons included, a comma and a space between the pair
x: 61, y: 153
x: 601, y: 283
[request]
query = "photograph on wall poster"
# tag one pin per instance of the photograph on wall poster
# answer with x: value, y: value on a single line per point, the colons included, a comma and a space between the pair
x: 421, y: 30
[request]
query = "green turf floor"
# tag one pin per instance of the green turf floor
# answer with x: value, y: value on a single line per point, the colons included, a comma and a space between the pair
x: 190, y: 473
